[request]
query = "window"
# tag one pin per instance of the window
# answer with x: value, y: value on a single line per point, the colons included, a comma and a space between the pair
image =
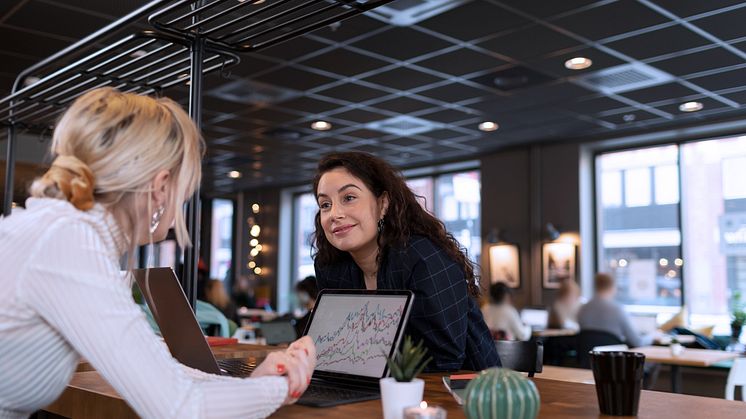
x: 458, y: 206
x: 221, y: 250
x: 713, y: 197
x: 640, y: 241
x: 651, y: 249
x: 305, y: 209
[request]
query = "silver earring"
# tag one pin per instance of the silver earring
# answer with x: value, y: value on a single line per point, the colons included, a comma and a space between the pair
x: 156, y: 219
x: 380, y: 226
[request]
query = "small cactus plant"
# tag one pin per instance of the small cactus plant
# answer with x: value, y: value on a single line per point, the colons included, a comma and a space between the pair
x: 408, y: 362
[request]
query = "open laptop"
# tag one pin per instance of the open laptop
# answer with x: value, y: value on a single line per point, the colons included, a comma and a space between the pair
x: 536, y: 318
x: 162, y: 292
x: 354, y: 332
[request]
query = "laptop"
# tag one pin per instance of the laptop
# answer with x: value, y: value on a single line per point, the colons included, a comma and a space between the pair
x: 536, y: 318
x: 179, y: 328
x: 354, y: 332
x: 277, y: 332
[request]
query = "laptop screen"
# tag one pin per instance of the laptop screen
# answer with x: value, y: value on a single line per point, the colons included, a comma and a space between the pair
x: 535, y: 318
x: 354, y: 333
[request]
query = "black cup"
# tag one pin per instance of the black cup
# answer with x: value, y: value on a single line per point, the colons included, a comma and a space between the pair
x: 618, y: 377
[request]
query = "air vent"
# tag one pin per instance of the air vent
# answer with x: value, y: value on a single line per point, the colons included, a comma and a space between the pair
x: 252, y: 92
x: 624, y: 78
x: 409, y: 12
x: 404, y: 125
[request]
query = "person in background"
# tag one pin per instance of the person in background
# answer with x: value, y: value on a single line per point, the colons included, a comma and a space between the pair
x: 604, y: 314
x: 216, y: 295
x: 124, y: 165
x: 371, y: 233
x: 307, y: 291
x: 501, y: 316
x: 563, y: 314
x: 243, y: 294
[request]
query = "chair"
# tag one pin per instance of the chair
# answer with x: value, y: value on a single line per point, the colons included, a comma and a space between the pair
x: 589, y: 339
x: 521, y: 356
x: 736, y: 377
x: 210, y: 318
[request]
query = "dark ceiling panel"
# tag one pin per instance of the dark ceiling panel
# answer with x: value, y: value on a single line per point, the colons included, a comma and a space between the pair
x: 605, y: 21
x: 350, y: 28
x: 351, y: 92
x: 360, y: 116
x: 725, y: 26
x: 664, y: 41
x: 474, y: 20
x: 700, y: 61
x: 342, y: 61
x: 461, y: 62
x: 401, y: 43
x: 454, y: 92
x: 403, y: 78
x: 546, y: 9
x: 294, y: 79
x: 533, y: 41
x: 404, y: 105
x: 689, y: 8
x: 723, y: 80
x: 658, y: 93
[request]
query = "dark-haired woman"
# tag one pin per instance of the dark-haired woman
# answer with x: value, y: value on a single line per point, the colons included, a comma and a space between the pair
x: 372, y: 234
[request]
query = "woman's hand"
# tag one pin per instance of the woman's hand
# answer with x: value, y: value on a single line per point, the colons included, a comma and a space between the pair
x: 296, y: 363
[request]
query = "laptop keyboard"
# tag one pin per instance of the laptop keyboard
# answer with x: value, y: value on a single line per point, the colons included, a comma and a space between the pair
x: 236, y: 367
x: 323, y: 396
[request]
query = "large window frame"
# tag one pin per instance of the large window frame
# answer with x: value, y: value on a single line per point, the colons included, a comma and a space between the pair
x: 686, y: 139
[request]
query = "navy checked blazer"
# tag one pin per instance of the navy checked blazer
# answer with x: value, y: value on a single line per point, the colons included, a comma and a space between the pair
x: 443, y: 314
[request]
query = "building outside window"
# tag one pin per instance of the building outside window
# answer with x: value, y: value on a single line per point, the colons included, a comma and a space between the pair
x: 221, y: 250
x: 671, y: 226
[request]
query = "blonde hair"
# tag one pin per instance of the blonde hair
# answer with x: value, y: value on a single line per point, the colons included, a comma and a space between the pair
x: 110, y: 146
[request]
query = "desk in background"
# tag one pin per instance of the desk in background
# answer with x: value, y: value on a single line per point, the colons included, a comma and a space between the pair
x: 688, y: 358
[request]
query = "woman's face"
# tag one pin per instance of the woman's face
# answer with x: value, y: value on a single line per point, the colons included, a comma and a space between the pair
x: 349, y: 211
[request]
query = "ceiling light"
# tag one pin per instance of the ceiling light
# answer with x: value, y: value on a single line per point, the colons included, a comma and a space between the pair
x: 253, y: 242
x: 258, y: 270
x: 488, y: 126
x: 321, y: 125
x: 234, y: 174
x: 691, y: 107
x: 578, y: 63
x: 255, y: 208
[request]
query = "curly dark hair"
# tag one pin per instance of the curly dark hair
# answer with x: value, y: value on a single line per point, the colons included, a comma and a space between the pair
x: 404, y: 217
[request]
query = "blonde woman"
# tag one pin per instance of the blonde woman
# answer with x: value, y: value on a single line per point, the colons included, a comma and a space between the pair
x: 125, y: 165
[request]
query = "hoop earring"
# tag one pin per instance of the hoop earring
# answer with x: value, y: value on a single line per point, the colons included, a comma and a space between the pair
x: 156, y: 219
x: 380, y: 226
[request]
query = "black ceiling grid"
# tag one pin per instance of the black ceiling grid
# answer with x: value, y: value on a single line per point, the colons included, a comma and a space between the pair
x: 415, y: 94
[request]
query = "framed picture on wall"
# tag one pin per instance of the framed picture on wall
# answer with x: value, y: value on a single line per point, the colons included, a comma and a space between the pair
x: 558, y: 263
x: 505, y: 264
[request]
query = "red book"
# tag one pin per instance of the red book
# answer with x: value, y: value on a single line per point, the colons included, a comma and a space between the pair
x: 220, y: 341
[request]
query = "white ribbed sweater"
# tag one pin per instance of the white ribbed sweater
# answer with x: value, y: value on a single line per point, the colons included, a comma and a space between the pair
x: 63, y: 297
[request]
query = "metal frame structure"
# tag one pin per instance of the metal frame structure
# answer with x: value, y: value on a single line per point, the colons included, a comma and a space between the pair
x: 190, y: 38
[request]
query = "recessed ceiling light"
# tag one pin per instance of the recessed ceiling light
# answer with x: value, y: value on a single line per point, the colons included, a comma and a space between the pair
x: 691, y: 107
x: 488, y: 126
x: 578, y: 63
x: 321, y: 125
x: 234, y: 174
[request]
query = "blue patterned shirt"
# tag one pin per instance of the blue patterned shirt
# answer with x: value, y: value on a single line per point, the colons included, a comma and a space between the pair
x: 443, y: 314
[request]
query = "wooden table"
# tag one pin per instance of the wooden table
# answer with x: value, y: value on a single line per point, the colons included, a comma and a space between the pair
x: 572, y: 375
x: 89, y: 396
x: 688, y: 358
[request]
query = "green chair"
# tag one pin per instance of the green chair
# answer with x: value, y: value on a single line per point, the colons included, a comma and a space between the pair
x: 212, y: 320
